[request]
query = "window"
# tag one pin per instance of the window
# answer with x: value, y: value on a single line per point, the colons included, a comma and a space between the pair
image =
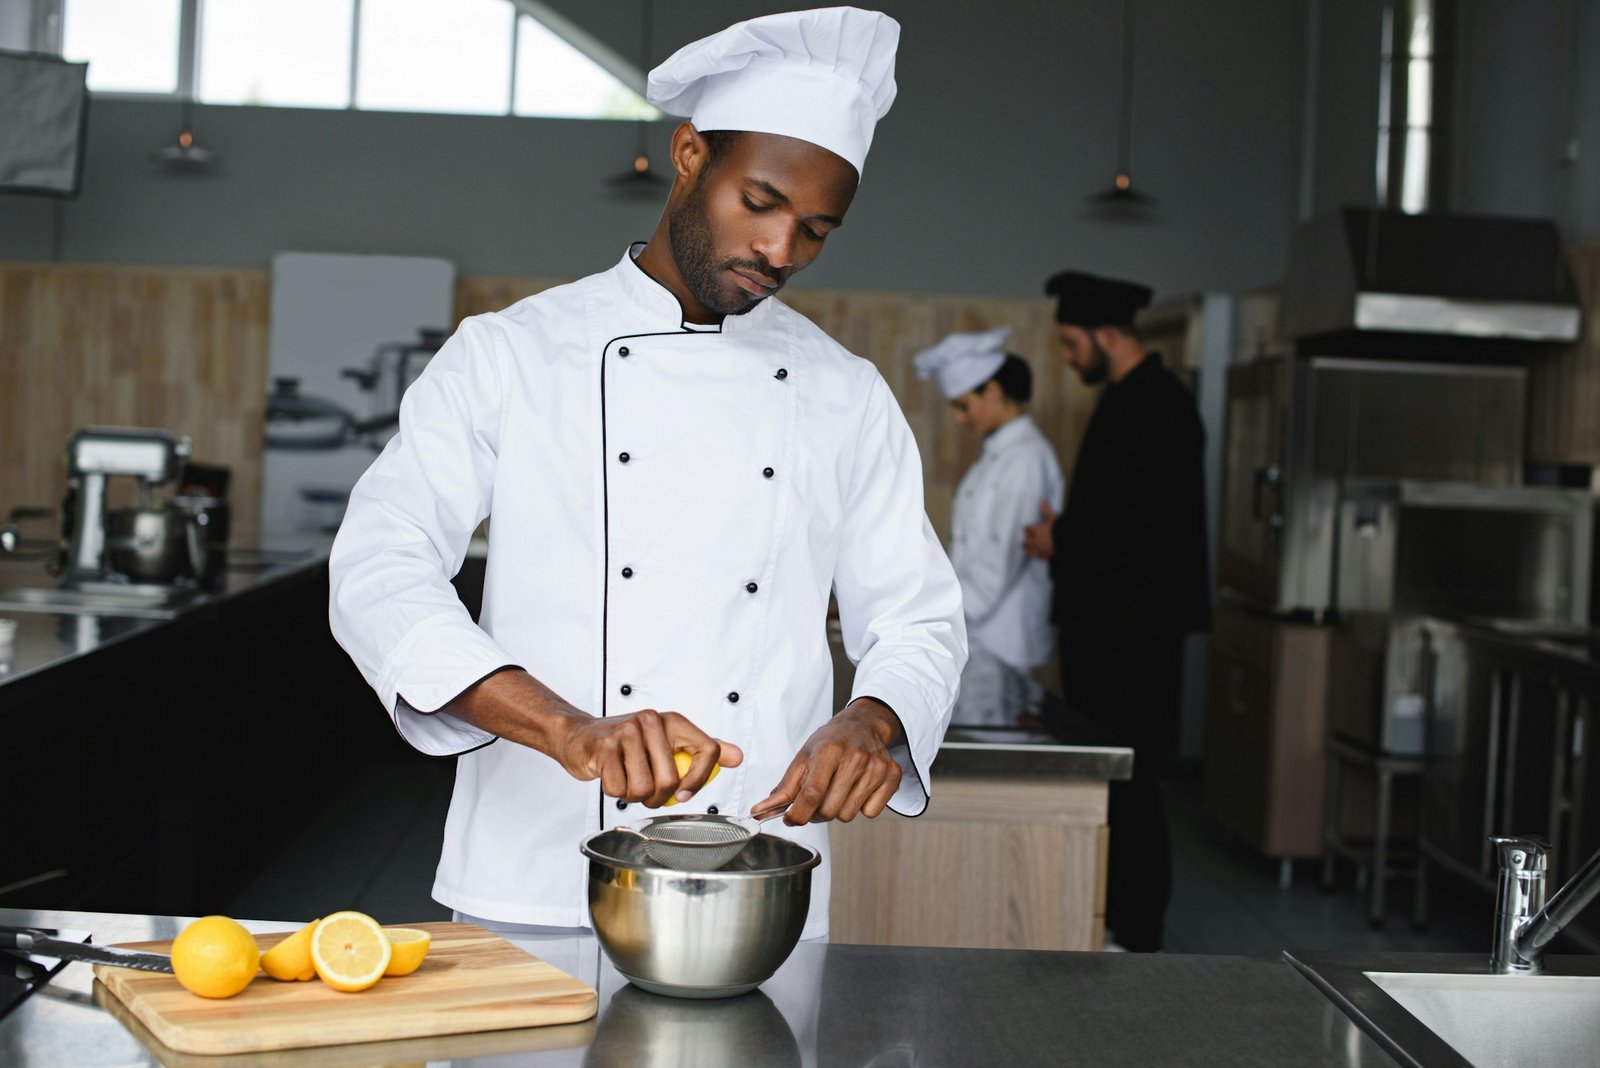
x: 482, y: 57
x: 131, y: 45
x: 555, y: 79
x: 290, y: 53
x: 435, y: 55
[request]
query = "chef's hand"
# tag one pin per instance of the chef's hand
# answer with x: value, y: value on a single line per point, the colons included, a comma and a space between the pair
x: 631, y: 755
x: 1038, y: 540
x: 843, y: 769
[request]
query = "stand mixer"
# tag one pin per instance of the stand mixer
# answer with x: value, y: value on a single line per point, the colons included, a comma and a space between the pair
x: 94, y: 455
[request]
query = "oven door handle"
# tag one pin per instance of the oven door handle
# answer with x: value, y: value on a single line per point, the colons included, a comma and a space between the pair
x: 1268, y: 478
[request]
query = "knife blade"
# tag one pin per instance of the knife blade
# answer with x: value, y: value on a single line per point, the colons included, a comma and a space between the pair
x: 43, y: 945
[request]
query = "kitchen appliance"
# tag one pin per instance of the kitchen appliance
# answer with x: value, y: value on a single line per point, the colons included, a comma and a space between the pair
x: 707, y: 935
x: 1410, y: 550
x: 147, y: 544
x: 1300, y: 428
x: 1375, y: 468
x: 472, y: 980
x: 387, y: 376
x: 1387, y: 282
x: 94, y: 455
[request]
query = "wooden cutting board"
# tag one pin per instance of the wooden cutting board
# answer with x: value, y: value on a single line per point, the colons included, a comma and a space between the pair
x: 472, y: 980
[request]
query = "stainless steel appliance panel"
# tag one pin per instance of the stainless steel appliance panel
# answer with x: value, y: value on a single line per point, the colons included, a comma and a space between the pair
x: 1300, y: 428
x: 1251, y: 536
x: 1517, y: 556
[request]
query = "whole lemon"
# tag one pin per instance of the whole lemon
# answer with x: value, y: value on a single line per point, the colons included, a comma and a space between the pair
x: 215, y: 957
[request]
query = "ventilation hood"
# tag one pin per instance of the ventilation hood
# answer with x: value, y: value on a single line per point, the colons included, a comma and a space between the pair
x: 1370, y: 270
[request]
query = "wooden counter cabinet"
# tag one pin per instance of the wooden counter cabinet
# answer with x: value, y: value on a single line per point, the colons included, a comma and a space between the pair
x: 994, y: 862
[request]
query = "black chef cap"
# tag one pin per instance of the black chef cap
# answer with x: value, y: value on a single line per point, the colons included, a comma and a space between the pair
x: 1089, y: 301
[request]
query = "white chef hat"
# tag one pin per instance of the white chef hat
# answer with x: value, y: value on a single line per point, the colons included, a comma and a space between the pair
x: 963, y: 362
x: 823, y: 76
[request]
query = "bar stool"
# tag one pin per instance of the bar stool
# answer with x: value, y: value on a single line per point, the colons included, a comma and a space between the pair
x: 1379, y: 856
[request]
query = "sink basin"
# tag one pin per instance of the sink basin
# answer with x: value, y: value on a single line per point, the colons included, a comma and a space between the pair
x: 1448, y: 1009
x: 149, y: 602
x: 1526, y: 1021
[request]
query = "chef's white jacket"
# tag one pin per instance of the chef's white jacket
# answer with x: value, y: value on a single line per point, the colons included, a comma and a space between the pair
x: 669, y: 509
x: 1006, y: 594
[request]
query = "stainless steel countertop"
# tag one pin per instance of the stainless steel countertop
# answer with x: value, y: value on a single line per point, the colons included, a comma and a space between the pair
x: 978, y: 752
x: 828, y: 1005
x: 46, y: 639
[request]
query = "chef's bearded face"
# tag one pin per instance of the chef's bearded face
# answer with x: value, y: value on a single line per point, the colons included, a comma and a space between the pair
x: 758, y: 210
x: 1082, y: 351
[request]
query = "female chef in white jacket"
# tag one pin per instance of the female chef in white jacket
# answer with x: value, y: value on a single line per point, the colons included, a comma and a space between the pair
x: 1006, y: 595
x: 679, y: 470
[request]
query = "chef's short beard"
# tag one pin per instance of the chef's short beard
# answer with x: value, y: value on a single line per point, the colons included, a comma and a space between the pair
x: 1099, y: 364
x: 695, y: 254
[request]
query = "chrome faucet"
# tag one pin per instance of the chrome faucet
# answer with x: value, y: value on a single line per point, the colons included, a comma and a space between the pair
x: 1523, y: 923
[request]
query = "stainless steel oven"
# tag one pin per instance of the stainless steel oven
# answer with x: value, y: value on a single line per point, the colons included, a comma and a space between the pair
x: 1299, y: 428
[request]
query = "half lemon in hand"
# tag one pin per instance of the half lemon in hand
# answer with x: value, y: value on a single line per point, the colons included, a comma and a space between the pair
x: 683, y: 759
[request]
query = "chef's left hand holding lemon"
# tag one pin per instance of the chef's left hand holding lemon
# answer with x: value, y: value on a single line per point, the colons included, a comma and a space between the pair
x: 630, y: 753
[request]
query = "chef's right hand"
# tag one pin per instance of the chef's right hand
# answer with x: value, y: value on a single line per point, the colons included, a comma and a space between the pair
x: 1038, y: 539
x: 631, y: 755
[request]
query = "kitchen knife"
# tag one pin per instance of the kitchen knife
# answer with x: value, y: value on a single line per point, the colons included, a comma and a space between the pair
x: 41, y: 944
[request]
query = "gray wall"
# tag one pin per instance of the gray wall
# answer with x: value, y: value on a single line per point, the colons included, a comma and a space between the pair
x: 1527, y: 91
x: 977, y: 181
x: 1006, y: 121
x: 1344, y: 103
x: 1528, y: 135
x: 16, y: 25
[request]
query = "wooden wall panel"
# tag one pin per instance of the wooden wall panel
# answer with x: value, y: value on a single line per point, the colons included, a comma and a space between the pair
x: 180, y: 348
x: 1564, y: 387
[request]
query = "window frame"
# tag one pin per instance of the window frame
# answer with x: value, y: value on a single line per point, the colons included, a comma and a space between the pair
x: 49, y: 32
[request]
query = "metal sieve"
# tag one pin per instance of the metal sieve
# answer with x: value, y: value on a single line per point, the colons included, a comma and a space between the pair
x: 697, y: 841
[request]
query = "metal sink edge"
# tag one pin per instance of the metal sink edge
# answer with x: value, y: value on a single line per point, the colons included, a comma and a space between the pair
x: 1341, y: 978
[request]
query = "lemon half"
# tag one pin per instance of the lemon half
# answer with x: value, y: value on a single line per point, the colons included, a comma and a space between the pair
x: 408, y: 946
x: 350, y: 951
x: 291, y: 958
x: 683, y: 759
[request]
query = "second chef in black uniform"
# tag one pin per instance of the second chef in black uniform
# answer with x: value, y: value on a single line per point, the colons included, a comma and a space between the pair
x: 1128, y: 559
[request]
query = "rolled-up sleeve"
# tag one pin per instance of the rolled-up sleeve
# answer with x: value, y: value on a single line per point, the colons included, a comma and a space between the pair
x: 405, y: 535
x: 899, y: 601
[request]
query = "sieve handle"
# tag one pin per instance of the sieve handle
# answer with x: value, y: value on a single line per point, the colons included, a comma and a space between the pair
x: 774, y: 814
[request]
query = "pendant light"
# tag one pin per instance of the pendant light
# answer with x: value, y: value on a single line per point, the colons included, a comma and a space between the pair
x: 1122, y: 192
x: 185, y: 153
x: 640, y: 177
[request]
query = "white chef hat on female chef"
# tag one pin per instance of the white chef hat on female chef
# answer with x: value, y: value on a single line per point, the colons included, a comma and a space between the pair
x: 963, y: 362
x: 823, y: 76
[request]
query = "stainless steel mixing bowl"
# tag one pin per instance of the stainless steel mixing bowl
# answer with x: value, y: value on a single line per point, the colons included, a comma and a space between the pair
x: 698, y: 934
